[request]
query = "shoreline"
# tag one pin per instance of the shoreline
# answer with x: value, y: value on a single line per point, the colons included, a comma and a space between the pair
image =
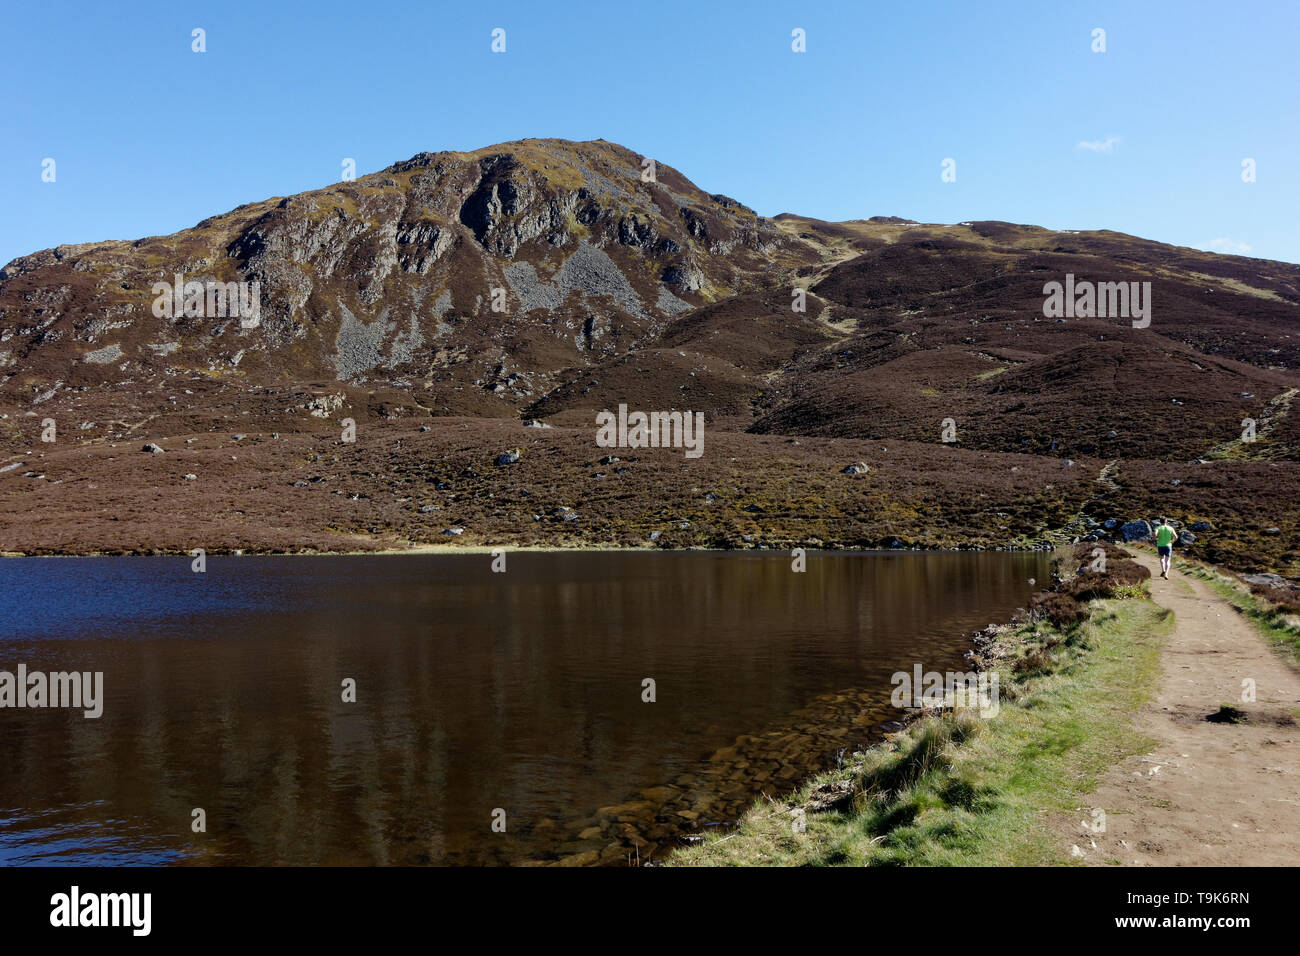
x: 853, y: 814
x: 547, y: 548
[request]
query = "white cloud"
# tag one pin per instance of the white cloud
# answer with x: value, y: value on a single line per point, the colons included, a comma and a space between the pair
x: 1106, y: 145
x: 1229, y: 247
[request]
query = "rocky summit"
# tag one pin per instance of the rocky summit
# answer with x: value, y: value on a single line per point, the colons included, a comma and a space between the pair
x: 879, y: 382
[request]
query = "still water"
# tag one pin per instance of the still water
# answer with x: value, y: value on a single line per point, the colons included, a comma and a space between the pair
x: 478, y: 696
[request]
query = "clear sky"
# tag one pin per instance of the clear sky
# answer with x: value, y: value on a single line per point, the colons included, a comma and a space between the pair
x: 1148, y: 138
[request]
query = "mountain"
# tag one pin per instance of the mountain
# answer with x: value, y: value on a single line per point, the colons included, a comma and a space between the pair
x: 390, y: 276
x: 923, y: 350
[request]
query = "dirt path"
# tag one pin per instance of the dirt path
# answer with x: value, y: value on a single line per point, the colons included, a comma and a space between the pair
x: 1208, y: 794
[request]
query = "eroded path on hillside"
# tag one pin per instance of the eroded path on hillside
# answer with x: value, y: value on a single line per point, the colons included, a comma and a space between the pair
x: 1208, y: 793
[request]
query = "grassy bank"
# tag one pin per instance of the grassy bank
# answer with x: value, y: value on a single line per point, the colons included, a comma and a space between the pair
x: 1278, y: 620
x: 958, y: 789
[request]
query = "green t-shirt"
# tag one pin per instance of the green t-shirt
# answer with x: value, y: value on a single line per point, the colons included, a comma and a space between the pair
x: 1164, y: 536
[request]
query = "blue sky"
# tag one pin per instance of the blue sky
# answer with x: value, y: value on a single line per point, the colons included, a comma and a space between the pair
x: 149, y: 137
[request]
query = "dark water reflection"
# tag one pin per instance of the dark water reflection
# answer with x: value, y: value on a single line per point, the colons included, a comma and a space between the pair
x: 475, y: 691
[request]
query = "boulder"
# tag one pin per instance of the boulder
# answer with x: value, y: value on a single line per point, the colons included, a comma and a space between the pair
x: 1135, y: 530
x: 1266, y: 580
x: 857, y: 468
x: 510, y: 457
x: 1202, y: 526
x: 153, y: 449
x: 324, y: 405
x: 1187, y: 538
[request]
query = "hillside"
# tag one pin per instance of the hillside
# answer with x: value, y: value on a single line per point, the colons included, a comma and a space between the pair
x: 377, y: 305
